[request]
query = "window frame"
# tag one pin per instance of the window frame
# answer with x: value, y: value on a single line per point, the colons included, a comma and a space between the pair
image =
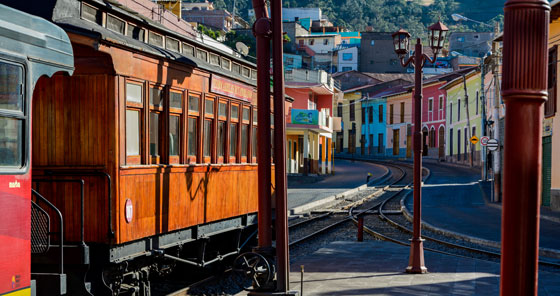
x: 234, y: 158
x: 177, y: 112
x: 246, y: 123
x: 253, y: 134
x: 141, y: 109
x: 23, y: 116
x: 196, y: 115
x: 161, y: 111
x: 222, y: 119
x: 212, y: 118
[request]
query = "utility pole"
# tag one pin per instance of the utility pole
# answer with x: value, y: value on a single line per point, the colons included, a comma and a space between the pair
x: 496, y: 155
x: 468, y: 118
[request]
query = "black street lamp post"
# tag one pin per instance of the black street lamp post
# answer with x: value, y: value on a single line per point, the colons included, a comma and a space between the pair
x: 436, y: 35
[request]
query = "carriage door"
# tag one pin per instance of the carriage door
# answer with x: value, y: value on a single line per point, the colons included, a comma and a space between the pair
x: 396, y: 141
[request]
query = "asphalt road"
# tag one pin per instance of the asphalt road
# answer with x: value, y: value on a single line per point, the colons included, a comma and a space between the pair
x: 453, y: 200
x: 348, y: 175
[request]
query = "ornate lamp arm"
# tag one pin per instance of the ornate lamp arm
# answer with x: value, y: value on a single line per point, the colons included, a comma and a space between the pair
x: 427, y: 58
x: 408, y: 61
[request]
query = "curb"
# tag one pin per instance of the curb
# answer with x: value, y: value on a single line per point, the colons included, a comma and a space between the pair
x: 333, y: 198
x: 545, y: 252
x: 499, y: 206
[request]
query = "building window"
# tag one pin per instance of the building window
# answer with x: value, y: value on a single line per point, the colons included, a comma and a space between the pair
x: 450, y: 112
x: 402, y: 112
x: 380, y: 143
x: 432, y: 137
x: 133, y: 124
x: 325, y: 41
x: 459, y: 110
x: 380, y: 113
x: 347, y: 56
x: 370, y: 115
x: 311, y: 42
x: 344, y: 69
x: 339, y: 110
x: 430, y: 104
x: 440, y: 103
x: 352, y: 111
x: 477, y: 102
x: 391, y: 114
x: 550, y: 104
x: 364, y: 114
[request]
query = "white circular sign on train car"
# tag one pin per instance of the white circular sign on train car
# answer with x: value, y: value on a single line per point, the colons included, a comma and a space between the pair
x: 128, y: 210
x: 493, y: 145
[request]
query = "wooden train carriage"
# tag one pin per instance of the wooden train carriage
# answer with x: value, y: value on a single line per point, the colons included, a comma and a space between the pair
x: 161, y: 129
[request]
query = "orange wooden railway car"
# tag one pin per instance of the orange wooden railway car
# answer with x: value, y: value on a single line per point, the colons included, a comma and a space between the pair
x: 148, y: 149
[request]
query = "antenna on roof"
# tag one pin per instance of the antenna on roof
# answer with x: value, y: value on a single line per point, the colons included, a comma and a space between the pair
x: 242, y: 48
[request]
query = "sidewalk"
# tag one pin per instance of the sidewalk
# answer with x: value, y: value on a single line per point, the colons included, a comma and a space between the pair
x: 453, y: 200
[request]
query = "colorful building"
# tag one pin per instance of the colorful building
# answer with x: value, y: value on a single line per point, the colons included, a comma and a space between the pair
x: 463, y: 120
x: 551, y: 127
x: 399, y: 123
x: 349, y: 110
x: 309, y: 127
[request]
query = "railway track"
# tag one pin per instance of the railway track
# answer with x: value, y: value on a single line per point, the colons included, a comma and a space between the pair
x: 305, y: 229
x: 389, y: 224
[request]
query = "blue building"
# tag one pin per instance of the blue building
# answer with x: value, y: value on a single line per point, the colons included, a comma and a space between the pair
x: 292, y: 61
x: 374, y: 110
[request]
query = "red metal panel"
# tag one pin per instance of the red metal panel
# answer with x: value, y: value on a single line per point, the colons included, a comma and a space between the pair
x: 15, y: 232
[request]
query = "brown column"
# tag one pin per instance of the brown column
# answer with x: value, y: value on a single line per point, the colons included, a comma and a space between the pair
x: 416, y: 260
x: 262, y: 30
x: 524, y: 89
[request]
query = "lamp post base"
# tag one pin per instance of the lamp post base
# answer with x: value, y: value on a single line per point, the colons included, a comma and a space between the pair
x: 416, y: 261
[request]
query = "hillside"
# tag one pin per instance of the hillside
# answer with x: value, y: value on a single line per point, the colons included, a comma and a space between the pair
x: 389, y: 15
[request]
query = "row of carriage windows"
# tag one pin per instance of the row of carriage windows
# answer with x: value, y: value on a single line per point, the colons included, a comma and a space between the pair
x: 133, y: 31
x: 12, y: 115
x: 217, y: 130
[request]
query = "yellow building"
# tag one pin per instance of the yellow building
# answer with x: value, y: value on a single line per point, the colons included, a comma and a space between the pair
x: 350, y: 110
x: 172, y: 5
x: 551, y: 127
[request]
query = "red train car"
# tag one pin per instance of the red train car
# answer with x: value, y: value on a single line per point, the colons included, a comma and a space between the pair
x: 148, y: 151
x: 30, y: 47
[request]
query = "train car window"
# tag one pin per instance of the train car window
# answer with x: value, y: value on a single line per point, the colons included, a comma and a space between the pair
x: 236, y: 68
x: 192, y: 139
x: 194, y: 102
x: 201, y: 54
x: 207, y: 143
x: 222, y: 125
x: 255, y: 120
x: 135, y: 32
x: 175, y: 100
x: 134, y: 93
x: 209, y: 107
x: 155, y: 124
x: 12, y: 145
x: 114, y: 24
x: 172, y: 44
x: 226, y: 64
x: 246, y: 72
x: 244, y: 141
x: 233, y: 132
x: 222, y: 109
x: 246, y: 113
x: 254, y: 146
x: 155, y: 39
x: 188, y: 49
x: 253, y: 74
x: 91, y: 14
x: 156, y: 97
x: 214, y: 59
x: 133, y: 122
x: 132, y: 133
x: 233, y: 142
x: 235, y: 112
x: 175, y: 123
x: 174, y: 139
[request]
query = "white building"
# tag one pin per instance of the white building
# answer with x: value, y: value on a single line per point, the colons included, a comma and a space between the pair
x: 347, y: 59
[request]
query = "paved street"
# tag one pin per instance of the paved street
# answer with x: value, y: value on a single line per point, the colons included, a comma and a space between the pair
x: 348, y: 175
x: 452, y: 199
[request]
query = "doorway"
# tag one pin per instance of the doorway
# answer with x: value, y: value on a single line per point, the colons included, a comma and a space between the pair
x: 396, y: 142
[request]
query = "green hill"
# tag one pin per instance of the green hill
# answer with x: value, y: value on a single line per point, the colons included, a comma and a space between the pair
x: 390, y: 15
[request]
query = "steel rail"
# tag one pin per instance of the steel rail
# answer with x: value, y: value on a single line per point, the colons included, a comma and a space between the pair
x: 331, y: 226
